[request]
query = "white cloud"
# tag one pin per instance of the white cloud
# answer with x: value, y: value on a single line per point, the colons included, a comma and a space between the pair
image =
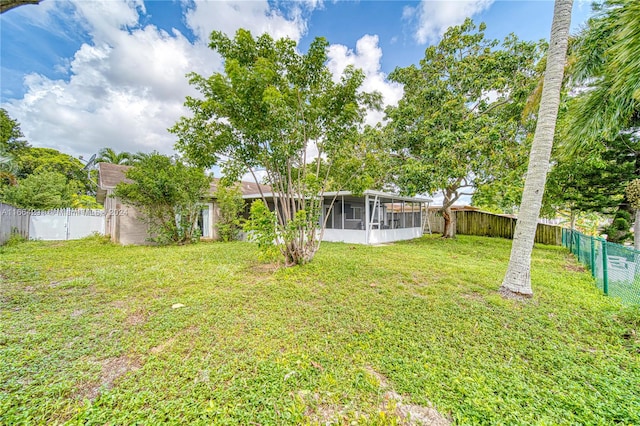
x: 432, y: 18
x: 255, y: 16
x: 128, y: 85
x: 367, y: 56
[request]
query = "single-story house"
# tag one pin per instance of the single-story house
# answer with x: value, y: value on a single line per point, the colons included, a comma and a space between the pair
x: 122, y: 222
x: 371, y: 218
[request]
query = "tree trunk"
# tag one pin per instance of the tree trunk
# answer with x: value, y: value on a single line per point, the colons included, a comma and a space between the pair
x: 636, y: 231
x: 449, y: 222
x: 573, y: 219
x: 518, y: 277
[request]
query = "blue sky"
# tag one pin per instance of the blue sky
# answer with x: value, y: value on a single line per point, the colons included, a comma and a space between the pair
x: 82, y: 75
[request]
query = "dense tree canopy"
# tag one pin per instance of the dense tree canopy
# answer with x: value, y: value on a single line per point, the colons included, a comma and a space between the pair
x: 281, y: 112
x: 460, y: 123
x: 42, y: 191
x: 24, y: 171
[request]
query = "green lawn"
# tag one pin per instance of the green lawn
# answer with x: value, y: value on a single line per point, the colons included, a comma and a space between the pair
x: 362, y: 334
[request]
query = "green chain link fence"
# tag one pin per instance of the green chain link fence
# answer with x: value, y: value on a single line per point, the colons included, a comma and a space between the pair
x: 616, y: 268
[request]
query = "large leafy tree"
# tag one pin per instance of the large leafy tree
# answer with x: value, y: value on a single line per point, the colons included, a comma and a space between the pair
x: 11, y: 137
x: 11, y: 142
x: 34, y: 160
x: 41, y: 191
x: 517, y: 280
x: 269, y: 110
x: 167, y: 192
x: 459, y: 123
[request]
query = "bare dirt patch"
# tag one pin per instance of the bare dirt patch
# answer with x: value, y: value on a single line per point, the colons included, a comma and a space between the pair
x: 112, y: 370
x: 407, y: 414
x: 264, y: 268
x: 138, y: 317
x: 508, y: 294
x: 574, y: 268
x: 170, y: 341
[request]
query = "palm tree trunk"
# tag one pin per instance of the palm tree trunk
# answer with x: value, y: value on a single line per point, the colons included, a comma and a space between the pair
x: 518, y: 277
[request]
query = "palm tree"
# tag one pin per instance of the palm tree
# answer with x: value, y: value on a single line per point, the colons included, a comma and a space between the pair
x: 517, y: 280
x: 8, y: 169
x: 608, y: 66
x: 139, y: 156
x: 108, y: 155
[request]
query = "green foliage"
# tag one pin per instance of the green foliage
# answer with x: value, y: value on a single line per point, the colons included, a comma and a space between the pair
x: 38, y: 160
x: 89, y: 336
x: 167, y: 193
x: 10, y: 134
x: 632, y: 192
x: 108, y: 155
x: 594, y: 184
x: 608, y: 64
x: 14, y: 240
x: 42, y: 191
x: 84, y: 202
x: 26, y: 166
x: 269, y: 108
x: 459, y: 123
x: 618, y: 231
x: 262, y: 230
x: 230, y: 207
x: 11, y: 142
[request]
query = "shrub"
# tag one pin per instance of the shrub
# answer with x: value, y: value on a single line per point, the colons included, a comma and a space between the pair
x: 230, y: 205
x: 261, y: 228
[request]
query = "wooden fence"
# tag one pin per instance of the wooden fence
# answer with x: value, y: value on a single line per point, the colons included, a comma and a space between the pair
x: 492, y: 225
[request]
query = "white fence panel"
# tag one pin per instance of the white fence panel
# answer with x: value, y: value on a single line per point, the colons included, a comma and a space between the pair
x: 65, y: 224
x: 48, y: 227
x: 83, y: 226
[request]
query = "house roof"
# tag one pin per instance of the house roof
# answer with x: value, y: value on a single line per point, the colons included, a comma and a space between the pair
x: 247, y: 188
x: 382, y: 195
x: 110, y: 175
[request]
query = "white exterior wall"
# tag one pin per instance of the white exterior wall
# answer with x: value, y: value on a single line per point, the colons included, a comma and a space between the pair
x: 379, y: 236
x: 345, y: 236
x: 376, y: 236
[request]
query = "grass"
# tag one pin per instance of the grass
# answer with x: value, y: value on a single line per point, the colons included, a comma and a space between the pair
x: 88, y: 335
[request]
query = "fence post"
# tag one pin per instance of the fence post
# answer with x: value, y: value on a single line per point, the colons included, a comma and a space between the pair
x: 605, y: 270
x: 578, y: 245
x: 571, y: 241
x: 593, y: 257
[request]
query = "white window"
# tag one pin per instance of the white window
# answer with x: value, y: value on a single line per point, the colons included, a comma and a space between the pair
x: 354, y: 213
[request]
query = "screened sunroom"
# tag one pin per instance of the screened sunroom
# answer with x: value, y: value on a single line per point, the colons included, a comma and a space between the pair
x: 372, y: 218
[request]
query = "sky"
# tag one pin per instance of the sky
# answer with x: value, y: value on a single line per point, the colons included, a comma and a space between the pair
x: 80, y: 75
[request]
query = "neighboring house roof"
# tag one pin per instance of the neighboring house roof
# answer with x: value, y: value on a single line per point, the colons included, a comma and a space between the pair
x: 247, y: 188
x: 110, y: 175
